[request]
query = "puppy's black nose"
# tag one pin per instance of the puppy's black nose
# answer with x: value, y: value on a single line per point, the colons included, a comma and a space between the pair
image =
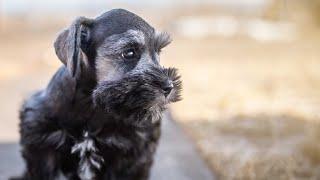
x: 167, y: 88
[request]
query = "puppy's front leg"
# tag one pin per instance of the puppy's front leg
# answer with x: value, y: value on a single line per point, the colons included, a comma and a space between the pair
x: 40, y: 139
x: 40, y: 164
x: 41, y: 159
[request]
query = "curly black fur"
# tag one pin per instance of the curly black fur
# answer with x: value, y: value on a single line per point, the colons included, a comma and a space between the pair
x: 121, y: 126
x: 81, y: 127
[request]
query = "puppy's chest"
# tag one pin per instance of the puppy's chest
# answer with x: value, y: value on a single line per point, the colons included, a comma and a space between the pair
x: 107, y: 148
x: 111, y: 142
x: 102, y: 140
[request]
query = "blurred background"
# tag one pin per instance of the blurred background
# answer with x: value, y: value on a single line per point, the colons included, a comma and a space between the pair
x: 250, y: 69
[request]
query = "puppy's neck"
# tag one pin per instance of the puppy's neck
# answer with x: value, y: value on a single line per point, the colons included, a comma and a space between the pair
x: 86, y: 82
x: 64, y: 90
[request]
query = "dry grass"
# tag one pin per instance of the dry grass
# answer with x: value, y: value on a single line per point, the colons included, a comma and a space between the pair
x: 260, y: 147
x: 252, y: 108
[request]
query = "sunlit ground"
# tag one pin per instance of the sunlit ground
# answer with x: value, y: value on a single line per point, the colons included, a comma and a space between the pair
x: 252, y: 108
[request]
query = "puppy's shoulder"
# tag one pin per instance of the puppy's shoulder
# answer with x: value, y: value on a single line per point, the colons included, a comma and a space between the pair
x: 33, y: 106
x: 44, y: 102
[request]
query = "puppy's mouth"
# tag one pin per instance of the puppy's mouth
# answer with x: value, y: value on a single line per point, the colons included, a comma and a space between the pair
x: 172, y: 86
x: 139, y: 90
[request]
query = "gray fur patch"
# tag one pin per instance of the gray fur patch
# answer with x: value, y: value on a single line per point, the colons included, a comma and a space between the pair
x: 144, y: 63
x: 85, y: 172
x: 108, y: 54
x: 114, y: 44
x: 89, y: 159
x: 87, y: 145
x: 107, y: 69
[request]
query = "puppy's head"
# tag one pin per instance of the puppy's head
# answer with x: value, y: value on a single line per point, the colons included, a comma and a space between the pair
x: 120, y: 52
x: 109, y: 46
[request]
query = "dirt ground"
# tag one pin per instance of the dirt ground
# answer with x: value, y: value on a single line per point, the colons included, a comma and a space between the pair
x: 252, y: 108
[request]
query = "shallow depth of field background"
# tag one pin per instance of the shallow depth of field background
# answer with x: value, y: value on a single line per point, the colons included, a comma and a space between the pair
x: 250, y: 69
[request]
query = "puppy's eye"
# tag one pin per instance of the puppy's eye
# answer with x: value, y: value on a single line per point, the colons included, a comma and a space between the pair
x: 129, y: 54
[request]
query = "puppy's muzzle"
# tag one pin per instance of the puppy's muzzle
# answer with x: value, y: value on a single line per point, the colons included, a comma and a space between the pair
x: 167, y: 88
x: 139, y: 90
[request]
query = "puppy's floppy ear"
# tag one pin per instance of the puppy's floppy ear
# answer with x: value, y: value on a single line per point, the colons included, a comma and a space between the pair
x: 69, y: 42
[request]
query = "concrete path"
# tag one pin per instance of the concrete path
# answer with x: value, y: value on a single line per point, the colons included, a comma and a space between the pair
x: 176, y: 157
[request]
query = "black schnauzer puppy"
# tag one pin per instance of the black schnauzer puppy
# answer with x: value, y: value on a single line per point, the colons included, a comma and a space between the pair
x: 99, y: 117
